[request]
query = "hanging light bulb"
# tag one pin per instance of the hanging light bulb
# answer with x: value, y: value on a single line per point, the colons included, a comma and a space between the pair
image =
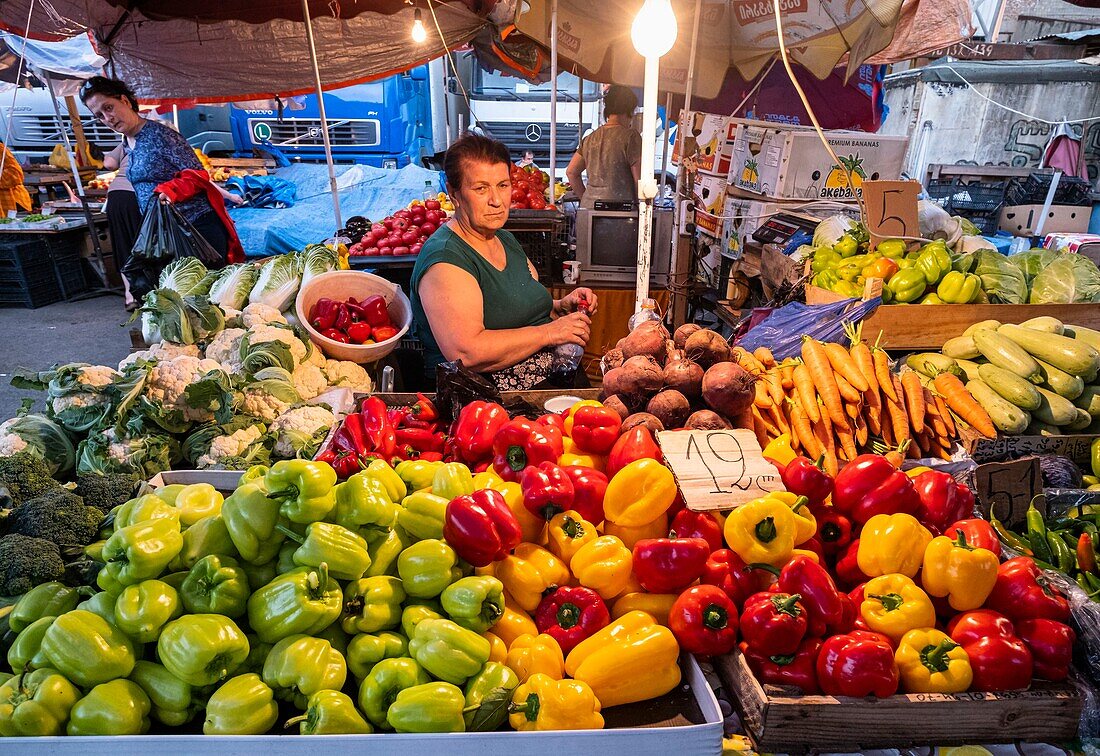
x: 419, y: 33
x: 654, y: 29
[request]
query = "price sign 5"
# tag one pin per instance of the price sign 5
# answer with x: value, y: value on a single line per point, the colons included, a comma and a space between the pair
x: 718, y: 469
x: 891, y: 209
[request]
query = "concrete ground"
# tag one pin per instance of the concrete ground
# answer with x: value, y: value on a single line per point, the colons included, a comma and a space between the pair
x: 91, y: 331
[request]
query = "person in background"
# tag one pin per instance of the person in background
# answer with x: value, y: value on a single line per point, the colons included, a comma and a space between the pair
x: 475, y: 295
x: 123, y: 214
x: 13, y: 195
x: 611, y: 155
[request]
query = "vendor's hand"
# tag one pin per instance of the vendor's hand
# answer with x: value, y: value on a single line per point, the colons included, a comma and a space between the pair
x: 571, y: 301
x: 574, y: 328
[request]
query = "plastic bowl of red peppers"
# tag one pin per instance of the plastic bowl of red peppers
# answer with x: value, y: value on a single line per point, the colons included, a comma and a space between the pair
x: 354, y: 315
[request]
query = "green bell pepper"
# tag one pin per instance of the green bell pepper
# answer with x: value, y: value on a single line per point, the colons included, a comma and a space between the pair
x: 417, y: 474
x: 259, y: 574
x: 893, y: 248
x: 959, y: 288
x: 210, y: 535
x: 451, y: 480
x: 907, y: 285
x: 934, y: 261
x: 431, y: 707
x: 257, y: 655
x: 216, y: 585
x: 427, y: 567
x: 363, y: 505
x: 101, y: 604
x: 254, y: 474
x: 302, y: 601
x: 251, y: 517
x: 300, y: 665
x: 825, y: 258
x: 139, y: 552
x: 26, y: 650
x: 285, y: 563
x: 118, y: 707
x: 448, y: 651
x: 243, y: 705
x: 372, y: 604
x: 389, y: 479
x: 826, y: 279
x: 142, y: 610
x: 385, y: 551
x: 475, y: 602
x: 1094, y: 457
x: 335, y: 635
x: 36, y: 704
x: 44, y: 600
x: 849, y: 289
x: 384, y: 682
x: 846, y: 246
x: 932, y: 298
x: 202, y: 649
x: 143, y: 509
x: 414, y: 614
x: 422, y: 515
x: 343, y: 551
x: 850, y: 270
x: 87, y: 649
x: 365, y: 650
x: 197, y: 501
x: 488, y: 694
x: 303, y: 487
x: 168, y: 493
x: 330, y: 712
x: 172, y: 699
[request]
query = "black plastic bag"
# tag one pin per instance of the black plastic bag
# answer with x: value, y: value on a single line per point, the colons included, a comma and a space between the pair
x: 165, y: 235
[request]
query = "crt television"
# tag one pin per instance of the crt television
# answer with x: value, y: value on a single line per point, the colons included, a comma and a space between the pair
x: 607, y: 246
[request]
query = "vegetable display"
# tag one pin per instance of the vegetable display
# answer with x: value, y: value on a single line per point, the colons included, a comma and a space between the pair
x: 352, y: 321
x: 402, y: 233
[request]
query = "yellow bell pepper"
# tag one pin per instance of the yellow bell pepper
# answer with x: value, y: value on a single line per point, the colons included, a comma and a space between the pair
x: 763, y: 530
x: 529, y: 571
x: 632, y: 659
x: 892, y: 544
x: 632, y: 585
x: 658, y: 528
x: 804, y: 520
x: 930, y: 662
x: 582, y: 459
x: 893, y: 605
x: 656, y: 605
x: 487, y: 479
x: 498, y: 650
x: 959, y: 571
x: 604, y: 565
x: 529, y: 523
x: 567, y: 532
x: 639, y: 493
x: 779, y: 450
x: 513, y: 623
x: 915, y: 471
x: 543, y: 703
x: 569, y: 413
x: 535, y: 654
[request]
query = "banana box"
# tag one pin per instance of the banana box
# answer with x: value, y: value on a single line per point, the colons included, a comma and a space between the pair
x: 707, y: 140
x: 709, y: 193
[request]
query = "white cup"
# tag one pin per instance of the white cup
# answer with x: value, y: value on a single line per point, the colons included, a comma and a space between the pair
x: 570, y: 271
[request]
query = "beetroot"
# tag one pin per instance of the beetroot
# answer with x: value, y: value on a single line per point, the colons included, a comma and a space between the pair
x: 728, y: 388
x: 706, y: 420
x: 670, y: 407
x: 642, y: 376
x: 611, y: 359
x: 682, y: 333
x: 686, y: 376
x: 706, y: 347
x: 648, y: 339
x: 642, y: 418
x: 616, y: 403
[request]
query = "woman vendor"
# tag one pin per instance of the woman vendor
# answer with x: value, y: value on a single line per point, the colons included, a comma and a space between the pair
x: 475, y: 295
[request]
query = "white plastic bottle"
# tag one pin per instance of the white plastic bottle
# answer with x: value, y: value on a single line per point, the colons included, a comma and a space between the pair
x: 647, y: 313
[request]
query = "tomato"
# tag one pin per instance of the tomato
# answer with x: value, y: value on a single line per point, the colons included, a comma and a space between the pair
x: 359, y: 332
x: 416, y: 212
x: 431, y: 205
x: 402, y: 213
x: 378, y: 228
x: 415, y: 249
x: 372, y: 251
x: 400, y: 224
x: 436, y: 216
x: 402, y: 250
x: 384, y: 243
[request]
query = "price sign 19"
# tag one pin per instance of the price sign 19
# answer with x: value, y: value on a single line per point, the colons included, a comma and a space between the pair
x: 718, y: 469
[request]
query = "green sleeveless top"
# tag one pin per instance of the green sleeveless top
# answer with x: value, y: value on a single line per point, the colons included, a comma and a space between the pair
x: 512, y: 298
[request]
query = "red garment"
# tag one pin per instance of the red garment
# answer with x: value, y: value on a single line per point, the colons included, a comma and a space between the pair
x: 191, y: 182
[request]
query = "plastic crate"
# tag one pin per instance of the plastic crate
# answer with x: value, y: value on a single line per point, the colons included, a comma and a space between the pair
x: 38, y: 285
x: 1033, y: 190
x: 29, y: 249
x: 547, y: 250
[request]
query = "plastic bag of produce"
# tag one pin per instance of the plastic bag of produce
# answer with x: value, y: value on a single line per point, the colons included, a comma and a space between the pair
x: 1001, y: 280
x: 166, y: 235
x: 782, y: 330
x: 1068, y: 278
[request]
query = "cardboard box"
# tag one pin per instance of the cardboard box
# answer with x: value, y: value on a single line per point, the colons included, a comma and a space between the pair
x: 1023, y: 220
x: 743, y: 214
x: 789, y: 162
x: 708, y: 139
x: 710, y: 200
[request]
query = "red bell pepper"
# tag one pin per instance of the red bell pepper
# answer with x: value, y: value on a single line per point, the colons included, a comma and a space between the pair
x: 343, y: 318
x: 374, y: 310
x: 335, y: 335
x: 1051, y: 646
x: 420, y: 439
x: 807, y: 478
x: 704, y: 621
x: 481, y: 528
x: 520, y: 444
x: 589, y: 487
x: 571, y: 614
x: 797, y: 670
x: 834, y: 530
x: 637, y: 443
x: 1023, y: 592
x: 871, y: 485
x: 383, y: 333
x: 351, y: 436
x: 689, y: 524
x: 547, y: 490
x: 857, y: 664
x: 359, y: 333
x: 668, y: 565
x: 345, y: 463
x: 820, y: 597
x: 474, y: 430
x: 730, y: 573
x: 424, y: 409
x: 322, y: 315
x: 596, y: 429
x: 968, y: 627
x: 813, y: 544
x: 552, y: 420
x: 847, y: 568
x: 943, y: 500
x: 855, y: 600
x: 376, y: 424
x: 979, y: 534
x: 773, y: 624
x: 999, y: 663
x: 846, y: 623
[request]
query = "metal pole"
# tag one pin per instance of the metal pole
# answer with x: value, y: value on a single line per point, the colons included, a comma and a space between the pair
x: 664, y: 149
x: 678, y: 244
x: 553, y: 94
x: 65, y: 139
x: 324, y: 118
x: 647, y: 188
x: 176, y: 116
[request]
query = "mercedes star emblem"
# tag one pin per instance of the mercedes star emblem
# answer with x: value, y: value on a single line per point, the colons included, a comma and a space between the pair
x: 534, y: 132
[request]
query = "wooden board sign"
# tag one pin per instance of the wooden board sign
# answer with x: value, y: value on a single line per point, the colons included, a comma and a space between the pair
x: 718, y: 469
x: 891, y: 209
x: 1007, y: 488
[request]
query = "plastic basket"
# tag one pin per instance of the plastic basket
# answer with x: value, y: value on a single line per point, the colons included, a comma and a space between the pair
x: 1033, y: 190
x: 39, y: 284
x: 341, y: 284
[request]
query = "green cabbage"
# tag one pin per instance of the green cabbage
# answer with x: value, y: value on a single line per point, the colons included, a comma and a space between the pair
x: 45, y: 439
x: 1067, y: 279
x: 184, y: 276
x: 278, y: 282
x: 1033, y: 261
x: 233, y: 285
x: 1001, y: 280
x: 829, y: 231
x: 189, y: 319
x: 317, y: 259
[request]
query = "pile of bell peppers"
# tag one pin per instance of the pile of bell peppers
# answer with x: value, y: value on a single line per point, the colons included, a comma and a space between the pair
x: 391, y: 434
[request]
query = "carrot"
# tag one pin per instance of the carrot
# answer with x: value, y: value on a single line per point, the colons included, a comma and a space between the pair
x: 861, y: 430
x: 964, y: 405
x: 763, y: 398
x: 861, y: 354
x: 847, y: 442
x: 848, y: 392
x: 806, y: 393
x: 775, y: 388
x: 939, y: 427
x: 897, y: 455
x: 914, y: 451
x: 874, y: 411
x: 765, y: 356
x: 914, y: 399
x: 800, y: 426
x: 882, y: 372
x: 786, y: 376
x: 898, y: 419
x: 945, y: 413
x: 821, y: 371
x: 747, y: 361
x: 886, y: 427
x: 843, y: 363
x: 759, y: 429
x: 824, y: 434
x: 778, y: 418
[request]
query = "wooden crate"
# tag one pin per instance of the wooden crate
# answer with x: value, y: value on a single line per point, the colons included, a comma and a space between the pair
x: 778, y: 721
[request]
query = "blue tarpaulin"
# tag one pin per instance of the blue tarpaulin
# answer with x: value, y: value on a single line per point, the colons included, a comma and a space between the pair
x: 370, y: 192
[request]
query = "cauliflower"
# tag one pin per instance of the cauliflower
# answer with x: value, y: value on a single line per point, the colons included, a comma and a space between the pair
x: 88, y: 391
x: 233, y: 445
x: 10, y: 443
x: 260, y: 404
x: 162, y: 350
x: 348, y: 375
x: 301, y: 430
x: 226, y: 349
x: 261, y: 334
x: 168, y: 382
x: 118, y: 450
x: 316, y: 357
x: 258, y: 313
x: 309, y: 380
x: 97, y: 376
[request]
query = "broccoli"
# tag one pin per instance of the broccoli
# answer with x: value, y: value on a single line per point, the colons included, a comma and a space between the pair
x: 59, y: 516
x: 25, y: 476
x: 106, y: 491
x: 26, y: 562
